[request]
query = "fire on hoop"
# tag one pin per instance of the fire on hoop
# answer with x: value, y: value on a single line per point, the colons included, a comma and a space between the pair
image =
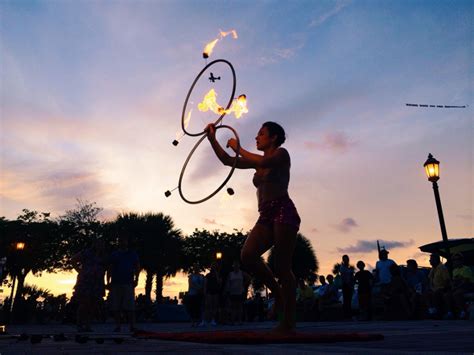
x: 239, y: 105
x: 210, y: 46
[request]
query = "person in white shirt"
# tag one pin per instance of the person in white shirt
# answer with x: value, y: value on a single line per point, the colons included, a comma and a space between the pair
x: 382, y: 268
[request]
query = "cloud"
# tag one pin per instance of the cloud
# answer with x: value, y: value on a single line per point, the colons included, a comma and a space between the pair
x: 332, y: 141
x: 366, y: 246
x: 340, y: 5
x: 467, y: 217
x: 212, y: 222
x: 346, y: 225
x: 279, y: 54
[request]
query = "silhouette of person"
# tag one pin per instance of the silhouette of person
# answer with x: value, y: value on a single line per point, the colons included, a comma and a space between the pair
x: 347, y: 278
x: 439, y: 284
x: 235, y: 287
x: 195, y: 294
x: 364, y: 279
x: 212, y: 288
x: 278, y: 222
x: 90, y: 288
x: 382, y: 269
x: 122, y: 278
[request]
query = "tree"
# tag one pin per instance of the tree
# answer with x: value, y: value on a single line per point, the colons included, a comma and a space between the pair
x: 305, y: 264
x: 76, y: 229
x: 201, y: 247
x: 37, y: 233
x: 159, y: 245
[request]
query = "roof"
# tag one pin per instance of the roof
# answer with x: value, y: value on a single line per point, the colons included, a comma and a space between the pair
x: 463, y: 245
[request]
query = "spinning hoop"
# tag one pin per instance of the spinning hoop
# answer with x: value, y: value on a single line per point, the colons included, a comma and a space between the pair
x: 192, y: 152
x: 191, y: 89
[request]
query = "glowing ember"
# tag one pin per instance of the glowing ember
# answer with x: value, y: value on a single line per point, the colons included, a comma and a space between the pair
x: 210, y: 46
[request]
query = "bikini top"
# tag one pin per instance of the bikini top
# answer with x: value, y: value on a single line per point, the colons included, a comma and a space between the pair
x: 273, y: 175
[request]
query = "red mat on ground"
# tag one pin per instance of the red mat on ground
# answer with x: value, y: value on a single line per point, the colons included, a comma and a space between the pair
x: 259, y: 337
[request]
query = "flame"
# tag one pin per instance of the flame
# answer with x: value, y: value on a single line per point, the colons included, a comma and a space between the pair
x: 209, y: 103
x: 224, y: 34
x: 210, y: 46
x: 188, y: 118
x: 180, y: 133
x: 238, y: 107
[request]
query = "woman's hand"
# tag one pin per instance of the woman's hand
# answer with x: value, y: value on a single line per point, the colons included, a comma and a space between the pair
x: 232, y: 143
x: 211, y: 131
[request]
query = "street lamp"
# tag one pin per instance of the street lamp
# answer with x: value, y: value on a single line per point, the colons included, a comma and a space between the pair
x: 432, y: 172
x: 218, y: 255
x: 19, y: 247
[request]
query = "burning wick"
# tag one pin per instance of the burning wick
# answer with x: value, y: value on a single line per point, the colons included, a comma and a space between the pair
x: 210, y: 46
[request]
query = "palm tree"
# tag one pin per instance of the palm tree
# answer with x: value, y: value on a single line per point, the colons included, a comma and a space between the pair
x: 161, y: 249
x: 305, y: 264
x: 159, y: 246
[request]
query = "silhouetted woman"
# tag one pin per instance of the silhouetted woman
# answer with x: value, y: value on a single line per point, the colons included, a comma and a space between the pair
x: 278, y: 222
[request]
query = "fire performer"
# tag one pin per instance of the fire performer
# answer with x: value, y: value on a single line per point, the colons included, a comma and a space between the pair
x: 278, y: 222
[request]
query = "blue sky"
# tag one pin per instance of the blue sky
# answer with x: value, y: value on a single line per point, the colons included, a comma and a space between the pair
x: 92, y: 93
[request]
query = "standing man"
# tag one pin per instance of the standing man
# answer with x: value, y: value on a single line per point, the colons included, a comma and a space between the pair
x: 440, y: 283
x: 122, y: 278
x: 382, y: 269
x: 347, y: 277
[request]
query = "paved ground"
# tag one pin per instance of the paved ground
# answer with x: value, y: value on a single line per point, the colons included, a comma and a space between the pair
x: 405, y: 337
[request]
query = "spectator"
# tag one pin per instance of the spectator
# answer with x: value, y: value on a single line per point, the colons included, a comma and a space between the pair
x: 382, y: 269
x: 305, y: 298
x: 463, y: 282
x: 324, y: 285
x: 212, y: 288
x: 439, y: 284
x: 415, y: 278
x: 235, y: 289
x: 417, y: 283
x: 195, y: 295
x: 364, y: 279
x: 122, y: 278
x: 347, y: 278
x: 89, y: 289
x: 330, y: 294
x: 396, y: 296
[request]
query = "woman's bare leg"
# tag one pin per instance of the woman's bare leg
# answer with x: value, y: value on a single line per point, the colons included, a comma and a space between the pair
x: 258, y: 242
x: 285, y: 239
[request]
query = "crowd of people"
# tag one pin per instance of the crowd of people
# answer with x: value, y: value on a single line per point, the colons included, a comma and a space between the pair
x: 121, y: 270
x: 389, y: 292
x: 213, y: 298
x: 392, y: 291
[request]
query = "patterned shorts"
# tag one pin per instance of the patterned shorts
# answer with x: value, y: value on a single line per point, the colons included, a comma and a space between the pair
x: 281, y: 210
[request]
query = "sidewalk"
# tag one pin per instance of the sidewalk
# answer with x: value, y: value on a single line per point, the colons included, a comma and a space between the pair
x: 404, y: 337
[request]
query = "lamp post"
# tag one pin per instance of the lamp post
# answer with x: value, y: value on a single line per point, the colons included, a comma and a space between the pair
x: 432, y: 172
x: 218, y: 255
x: 19, y: 247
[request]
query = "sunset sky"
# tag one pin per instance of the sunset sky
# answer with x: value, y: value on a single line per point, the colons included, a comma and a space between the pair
x: 92, y: 94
